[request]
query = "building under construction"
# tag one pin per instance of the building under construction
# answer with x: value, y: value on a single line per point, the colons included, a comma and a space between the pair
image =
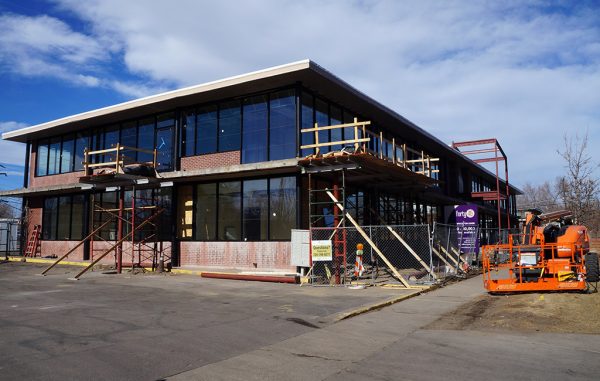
x: 219, y: 174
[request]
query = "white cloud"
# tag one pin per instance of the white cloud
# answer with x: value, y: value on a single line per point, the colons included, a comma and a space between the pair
x: 525, y: 74
x: 11, y: 152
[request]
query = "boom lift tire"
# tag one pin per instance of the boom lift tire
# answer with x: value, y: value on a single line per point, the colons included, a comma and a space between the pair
x: 591, y: 268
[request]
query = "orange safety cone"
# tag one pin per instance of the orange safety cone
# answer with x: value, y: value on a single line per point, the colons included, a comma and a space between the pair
x: 358, y: 264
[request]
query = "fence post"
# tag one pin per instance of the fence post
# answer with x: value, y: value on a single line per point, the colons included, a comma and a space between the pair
x: 430, y: 241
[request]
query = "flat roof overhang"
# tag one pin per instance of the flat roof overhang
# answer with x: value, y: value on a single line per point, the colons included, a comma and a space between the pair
x: 305, y: 72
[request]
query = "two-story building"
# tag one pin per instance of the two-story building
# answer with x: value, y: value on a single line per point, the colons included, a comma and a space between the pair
x: 232, y: 160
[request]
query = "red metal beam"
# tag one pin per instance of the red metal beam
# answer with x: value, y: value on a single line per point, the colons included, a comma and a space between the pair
x: 474, y: 142
x: 488, y: 160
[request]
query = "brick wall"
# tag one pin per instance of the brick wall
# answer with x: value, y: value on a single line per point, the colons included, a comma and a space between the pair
x: 210, y: 160
x: 238, y: 255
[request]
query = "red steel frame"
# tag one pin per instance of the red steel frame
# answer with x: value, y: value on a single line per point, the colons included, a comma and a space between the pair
x: 489, y: 146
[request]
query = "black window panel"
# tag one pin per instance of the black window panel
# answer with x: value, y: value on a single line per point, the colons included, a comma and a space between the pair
x: 348, y: 131
x: 229, y: 221
x: 146, y: 139
x: 256, y: 210
x: 255, y: 123
x: 189, y: 133
x: 81, y: 143
x: 307, y: 121
x: 42, y: 158
x: 205, y: 213
x: 64, y: 218
x: 229, y: 126
x: 206, y: 138
x: 77, y: 217
x: 54, y: 156
x: 282, y: 203
x: 335, y: 117
x: 165, y: 120
x: 322, y: 118
x: 165, y: 220
x: 129, y: 139
x: 50, y: 214
x: 282, y: 125
x: 67, y: 153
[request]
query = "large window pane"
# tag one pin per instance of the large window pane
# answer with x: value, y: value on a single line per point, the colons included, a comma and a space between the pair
x: 54, y: 156
x: 111, y: 138
x: 229, y: 126
x: 146, y: 139
x: 322, y: 118
x: 348, y: 131
x: 255, y: 130
x: 129, y: 139
x: 189, y: 133
x: 206, y: 140
x: 165, y: 220
x: 256, y: 210
x: 206, y: 212
x: 282, y: 133
x: 81, y: 143
x: 50, y: 213
x: 307, y: 122
x: 64, y: 218
x: 283, y: 207
x: 230, y: 211
x: 77, y: 217
x: 66, y: 156
x: 42, y: 158
x: 335, y: 117
x: 164, y: 148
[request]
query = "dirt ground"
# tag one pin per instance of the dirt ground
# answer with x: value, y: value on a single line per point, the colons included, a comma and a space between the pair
x: 531, y: 312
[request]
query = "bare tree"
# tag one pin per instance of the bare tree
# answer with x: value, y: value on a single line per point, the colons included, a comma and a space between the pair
x: 579, y: 188
x: 542, y: 196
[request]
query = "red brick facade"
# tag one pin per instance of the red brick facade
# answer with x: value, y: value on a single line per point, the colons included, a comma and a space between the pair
x: 238, y: 255
x: 210, y: 160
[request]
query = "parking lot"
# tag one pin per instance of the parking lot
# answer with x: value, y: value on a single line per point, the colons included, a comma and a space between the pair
x: 143, y: 327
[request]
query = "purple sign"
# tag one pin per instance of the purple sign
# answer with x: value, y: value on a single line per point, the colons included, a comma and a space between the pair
x: 467, y: 225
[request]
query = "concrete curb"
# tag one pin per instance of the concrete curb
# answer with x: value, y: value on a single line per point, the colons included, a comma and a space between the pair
x: 375, y: 306
x: 47, y: 260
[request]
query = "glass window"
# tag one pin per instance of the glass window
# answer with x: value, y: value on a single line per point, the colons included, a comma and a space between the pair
x: 189, y: 133
x: 164, y: 148
x: 348, y: 131
x: 54, y: 156
x: 129, y: 139
x: 66, y: 156
x: 206, y: 139
x: 254, y: 137
x: 322, y: 118
x: 165, y: 120
x: 282, y: 207
x: 307, y: 121
x: 64, y: 218
x: 111, y: 138
x: 206, y: 212
x: 81, y: 143
x: 77, y: 217
x: 42, y: 158
x: 282, y: 133
x: 256, y: 210
x: 146, y: 139
x: 335, y: 114
x: 229, y: 126
x: 49, y: 218
x: 165, y: 220
x: 229, y: 222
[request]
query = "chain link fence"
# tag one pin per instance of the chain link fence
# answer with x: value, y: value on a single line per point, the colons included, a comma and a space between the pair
x: 399, y: 254
x: 10, y: 237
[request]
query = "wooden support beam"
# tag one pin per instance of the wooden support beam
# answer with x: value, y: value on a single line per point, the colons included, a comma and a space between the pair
x: 369, y: 241
x: 76, y: 246
x: 133, y: 231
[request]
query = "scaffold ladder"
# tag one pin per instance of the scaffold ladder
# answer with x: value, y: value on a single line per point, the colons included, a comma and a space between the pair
x: 33, y: 244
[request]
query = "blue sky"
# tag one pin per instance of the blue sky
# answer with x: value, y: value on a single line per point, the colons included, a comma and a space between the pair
x: 523, y: 72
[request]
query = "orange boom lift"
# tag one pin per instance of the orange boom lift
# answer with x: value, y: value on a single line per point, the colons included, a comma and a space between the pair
x: 550, y: 254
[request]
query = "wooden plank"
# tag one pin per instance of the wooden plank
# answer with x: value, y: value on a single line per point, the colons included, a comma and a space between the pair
x: 324, y: 128
x: 327, y: 144
x: 410, y: 250
x: 117, y: 244
x: 366, y: 237
x: 440, y: 256
x: 76, y: 246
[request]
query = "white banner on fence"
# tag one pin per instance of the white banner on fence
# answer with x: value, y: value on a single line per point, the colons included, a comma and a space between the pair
x: 321, y: 251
